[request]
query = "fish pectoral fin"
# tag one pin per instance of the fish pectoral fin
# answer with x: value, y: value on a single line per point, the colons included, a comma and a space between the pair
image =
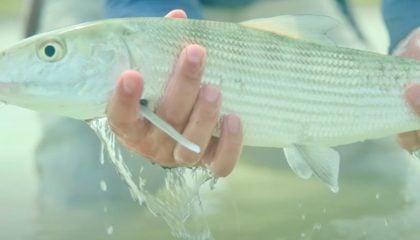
x: 311, y: 28
x: 324, y: 162
x: 297, y: 163
x: 168, y: 129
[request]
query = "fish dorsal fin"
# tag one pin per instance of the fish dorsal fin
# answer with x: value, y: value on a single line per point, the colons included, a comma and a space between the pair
x: 324, y: 162
x: 311, y: 28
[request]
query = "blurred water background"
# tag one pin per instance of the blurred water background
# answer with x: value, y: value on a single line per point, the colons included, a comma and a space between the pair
x: 379, y: 196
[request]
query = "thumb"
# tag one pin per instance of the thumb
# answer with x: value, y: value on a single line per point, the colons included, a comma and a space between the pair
x: 410, y: 46
x: 412, y: 95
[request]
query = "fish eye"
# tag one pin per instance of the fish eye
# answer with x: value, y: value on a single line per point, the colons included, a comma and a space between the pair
x: 51, y: 50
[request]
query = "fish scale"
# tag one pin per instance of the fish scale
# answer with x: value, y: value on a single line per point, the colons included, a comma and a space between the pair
x: 290, y: 86
x: 297, y: 84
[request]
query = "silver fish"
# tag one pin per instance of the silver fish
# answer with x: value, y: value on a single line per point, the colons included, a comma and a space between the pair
x: 289, y: 84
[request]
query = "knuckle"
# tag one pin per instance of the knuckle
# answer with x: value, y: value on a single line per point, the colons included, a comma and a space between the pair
x: 191, y: 73
x: 209, y: 112
x: 163, y: 153
x: 183, y: 155
x: 147, y: 148
x: 119, y: 127
x: 175, y: 120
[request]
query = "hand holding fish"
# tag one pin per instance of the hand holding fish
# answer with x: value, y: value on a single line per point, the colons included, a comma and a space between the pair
x: 189, y: 106
x: 410, y: 48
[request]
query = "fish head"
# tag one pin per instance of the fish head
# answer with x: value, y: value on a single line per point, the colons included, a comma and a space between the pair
x: 69, y: 72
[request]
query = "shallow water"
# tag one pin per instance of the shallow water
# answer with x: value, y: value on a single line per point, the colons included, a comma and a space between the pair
x: 378, y: 198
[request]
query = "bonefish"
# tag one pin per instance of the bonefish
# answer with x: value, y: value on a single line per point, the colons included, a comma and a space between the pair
x: 291, y: 86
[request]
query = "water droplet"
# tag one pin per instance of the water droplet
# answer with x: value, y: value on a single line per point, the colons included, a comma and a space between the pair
x: 105, y: 209
x: 386, y: 222
x: 302, y: 235
x: 377, y: 196
x: 300, y: 205
x: 324, y: 211
x: 103, y: 185
x: 317, y: 226
x: 303, y: 217
x: 110, y: 230
x: 102, y: 156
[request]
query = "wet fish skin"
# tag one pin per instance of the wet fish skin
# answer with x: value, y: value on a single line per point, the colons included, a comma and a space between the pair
x: 288, y: 90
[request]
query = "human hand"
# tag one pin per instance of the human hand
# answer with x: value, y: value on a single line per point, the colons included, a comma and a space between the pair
x: 187, y: 105
x: 410, y: 47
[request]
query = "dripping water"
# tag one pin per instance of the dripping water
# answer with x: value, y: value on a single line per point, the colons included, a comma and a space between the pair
x: 178, y: 202
x: 109, y: 229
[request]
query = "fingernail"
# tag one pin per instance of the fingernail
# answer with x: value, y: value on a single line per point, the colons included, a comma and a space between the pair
x: 194, y: 54
x: 234, y: 124
x: 128, y: 85
x: 211, y: 94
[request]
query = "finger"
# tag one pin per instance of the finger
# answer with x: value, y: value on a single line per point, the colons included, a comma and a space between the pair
x: 177, y: 102
x: 410, y: 47
x: 409, y: 141
x: 200, y: 126
x: 412, y: 95
x: 183, y: 87
x: 123, y: 108
x: 224, y: 152
x: 177, y: 13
